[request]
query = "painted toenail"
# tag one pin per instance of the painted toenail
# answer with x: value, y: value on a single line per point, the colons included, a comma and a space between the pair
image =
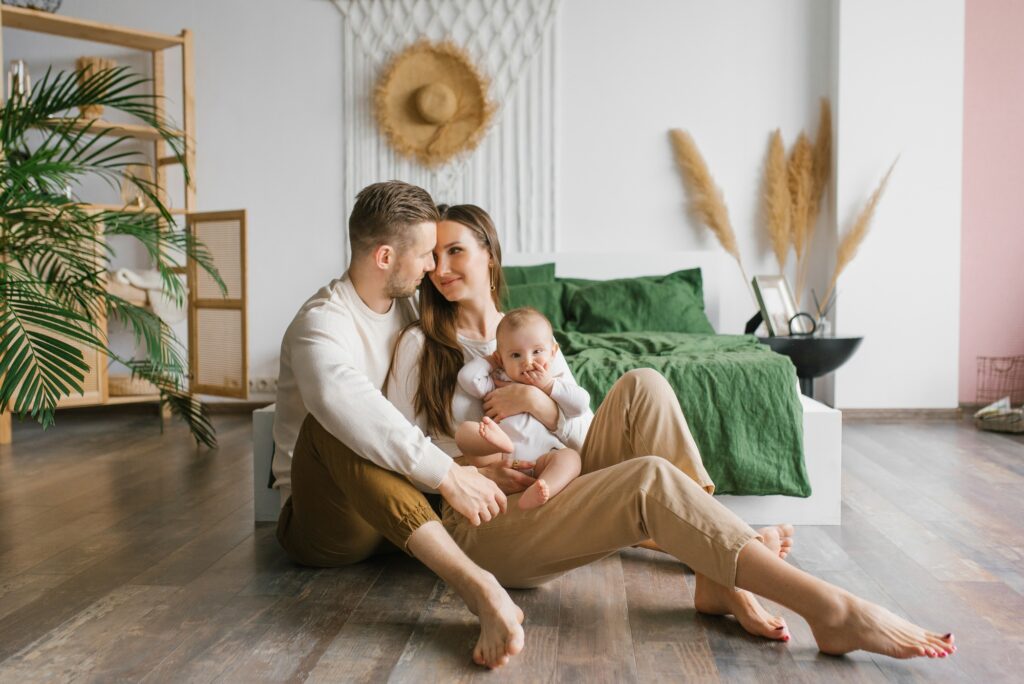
x: 947, y: 636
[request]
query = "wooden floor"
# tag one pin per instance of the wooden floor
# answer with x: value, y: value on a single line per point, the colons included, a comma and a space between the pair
x: 128, y: 555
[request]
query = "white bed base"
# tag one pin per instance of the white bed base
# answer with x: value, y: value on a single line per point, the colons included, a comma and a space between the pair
x: 822, y: 425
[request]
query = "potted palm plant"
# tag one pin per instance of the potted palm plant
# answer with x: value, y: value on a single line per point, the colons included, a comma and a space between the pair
x: 54, y: 257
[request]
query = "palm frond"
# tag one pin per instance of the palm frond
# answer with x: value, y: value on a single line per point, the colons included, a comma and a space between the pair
x: 54, y: 254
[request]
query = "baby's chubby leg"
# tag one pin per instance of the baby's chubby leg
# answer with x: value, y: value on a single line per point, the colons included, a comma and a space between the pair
x: 554, y: 471
x: 482, y: 439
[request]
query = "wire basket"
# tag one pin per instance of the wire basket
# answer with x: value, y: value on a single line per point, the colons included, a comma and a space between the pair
x: 1000, y: 376
x: 1011, y: 420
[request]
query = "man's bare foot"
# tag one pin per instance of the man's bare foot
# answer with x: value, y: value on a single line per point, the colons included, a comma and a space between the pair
x: 714, y: 599
x: 862, y: 625
x: 778, y: 538
x: 493, y: 433
x: 535, y: 495
x: 501, y: 626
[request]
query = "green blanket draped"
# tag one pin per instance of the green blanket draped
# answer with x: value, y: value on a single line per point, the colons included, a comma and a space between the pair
x: 739, y: 397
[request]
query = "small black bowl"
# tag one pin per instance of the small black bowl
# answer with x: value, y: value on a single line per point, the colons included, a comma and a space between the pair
x: 814, y: 356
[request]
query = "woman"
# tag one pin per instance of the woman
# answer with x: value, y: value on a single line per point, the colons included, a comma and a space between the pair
x: 641, y: 479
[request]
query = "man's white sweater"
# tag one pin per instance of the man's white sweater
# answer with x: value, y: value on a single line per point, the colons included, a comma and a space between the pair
x: 334, y: 359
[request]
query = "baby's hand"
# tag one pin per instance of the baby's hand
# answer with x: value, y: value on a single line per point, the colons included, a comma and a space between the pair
x: 539, y: 377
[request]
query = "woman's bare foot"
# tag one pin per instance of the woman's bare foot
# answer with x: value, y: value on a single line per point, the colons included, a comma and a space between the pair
x: 501, y: 630
x: 714, y: 599
x: 862, y: 625
x: 493, y: 433
x: 535, y: 495
x: 778, y: 538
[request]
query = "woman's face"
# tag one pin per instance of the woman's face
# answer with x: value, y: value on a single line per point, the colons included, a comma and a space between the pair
x: 463, y: 265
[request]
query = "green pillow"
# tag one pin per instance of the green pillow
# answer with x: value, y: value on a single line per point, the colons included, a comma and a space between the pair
x: 524, y: 275
x: 669, y: 303
x: 545, y: 297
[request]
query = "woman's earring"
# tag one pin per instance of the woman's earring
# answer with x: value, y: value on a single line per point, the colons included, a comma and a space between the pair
x: 492, y: 281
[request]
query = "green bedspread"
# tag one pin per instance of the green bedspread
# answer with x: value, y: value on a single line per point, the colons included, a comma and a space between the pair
x: 739, y: 398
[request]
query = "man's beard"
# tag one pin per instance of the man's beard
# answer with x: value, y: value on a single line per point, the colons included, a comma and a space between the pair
x: 395, y: 288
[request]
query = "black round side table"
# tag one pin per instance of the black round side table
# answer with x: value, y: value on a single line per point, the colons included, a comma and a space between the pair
x: 814, y: 356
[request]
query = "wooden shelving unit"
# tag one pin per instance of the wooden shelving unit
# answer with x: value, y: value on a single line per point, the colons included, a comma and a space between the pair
x: 82, y: 29
x: 155, y: 44
x: 99, y: 127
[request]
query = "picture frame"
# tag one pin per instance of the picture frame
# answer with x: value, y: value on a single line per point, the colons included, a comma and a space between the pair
x: 778, y: 306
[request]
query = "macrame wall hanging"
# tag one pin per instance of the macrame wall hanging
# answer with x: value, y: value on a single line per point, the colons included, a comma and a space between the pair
x: 512, y: 171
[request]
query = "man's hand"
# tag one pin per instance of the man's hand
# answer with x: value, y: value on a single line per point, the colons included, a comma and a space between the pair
x: 476, y: 497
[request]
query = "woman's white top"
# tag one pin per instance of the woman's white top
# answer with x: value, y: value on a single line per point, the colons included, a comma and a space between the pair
x: 401, y: 389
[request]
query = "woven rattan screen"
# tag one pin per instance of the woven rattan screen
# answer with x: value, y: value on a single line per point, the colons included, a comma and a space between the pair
x: 222, y: 239
x: 217, y: 320
x: 94, y: 387
x: 219, y: 337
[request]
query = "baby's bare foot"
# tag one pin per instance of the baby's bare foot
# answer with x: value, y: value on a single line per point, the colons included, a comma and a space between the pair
x: 862, y: 625
x: 535, y: 495
x: 493, y: 433
x: 714, y: 599
x: 778, y: 538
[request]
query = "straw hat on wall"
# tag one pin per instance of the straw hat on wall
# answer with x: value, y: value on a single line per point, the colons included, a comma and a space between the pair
x: 432, y: 102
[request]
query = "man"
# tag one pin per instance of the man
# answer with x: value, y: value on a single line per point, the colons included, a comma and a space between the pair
x: 335, y: 356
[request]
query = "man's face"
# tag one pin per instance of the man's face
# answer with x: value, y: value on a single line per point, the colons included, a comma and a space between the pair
x: 413, y: 262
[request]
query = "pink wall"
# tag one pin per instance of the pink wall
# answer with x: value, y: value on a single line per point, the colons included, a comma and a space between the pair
x: 992, y: 266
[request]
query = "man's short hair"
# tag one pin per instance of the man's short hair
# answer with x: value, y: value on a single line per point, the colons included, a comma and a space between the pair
x: 384, y: 212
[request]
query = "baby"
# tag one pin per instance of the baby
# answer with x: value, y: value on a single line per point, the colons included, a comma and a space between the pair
x: 527, y: 353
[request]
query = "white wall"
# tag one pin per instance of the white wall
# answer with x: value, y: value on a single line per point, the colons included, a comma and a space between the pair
x: 729, y: 72
x: 268, y: 108
x: 901, y: 92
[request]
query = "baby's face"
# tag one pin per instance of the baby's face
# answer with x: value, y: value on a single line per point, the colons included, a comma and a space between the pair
x: 528, y: 348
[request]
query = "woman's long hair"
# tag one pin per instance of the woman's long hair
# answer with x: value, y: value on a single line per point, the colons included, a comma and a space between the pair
x: 442, y: 357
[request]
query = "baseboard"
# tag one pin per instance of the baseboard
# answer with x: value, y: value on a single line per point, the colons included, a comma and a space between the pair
x: 896, y: 415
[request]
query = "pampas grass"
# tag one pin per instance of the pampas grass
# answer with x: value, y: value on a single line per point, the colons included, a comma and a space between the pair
x: 822, y: 166
x: 798, y: 172
x: 706, y: 200
x: 777, y: 209
x: 851, y: 242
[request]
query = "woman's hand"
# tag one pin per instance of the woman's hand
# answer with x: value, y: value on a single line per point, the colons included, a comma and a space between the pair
x: 511, y: 398
x: 509, y: 480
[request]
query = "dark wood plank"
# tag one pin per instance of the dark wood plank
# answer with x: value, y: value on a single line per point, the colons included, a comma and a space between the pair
x: 668, y: 638
x: 127, y: 555
x: 376, y: 633
x: 594, y: 642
